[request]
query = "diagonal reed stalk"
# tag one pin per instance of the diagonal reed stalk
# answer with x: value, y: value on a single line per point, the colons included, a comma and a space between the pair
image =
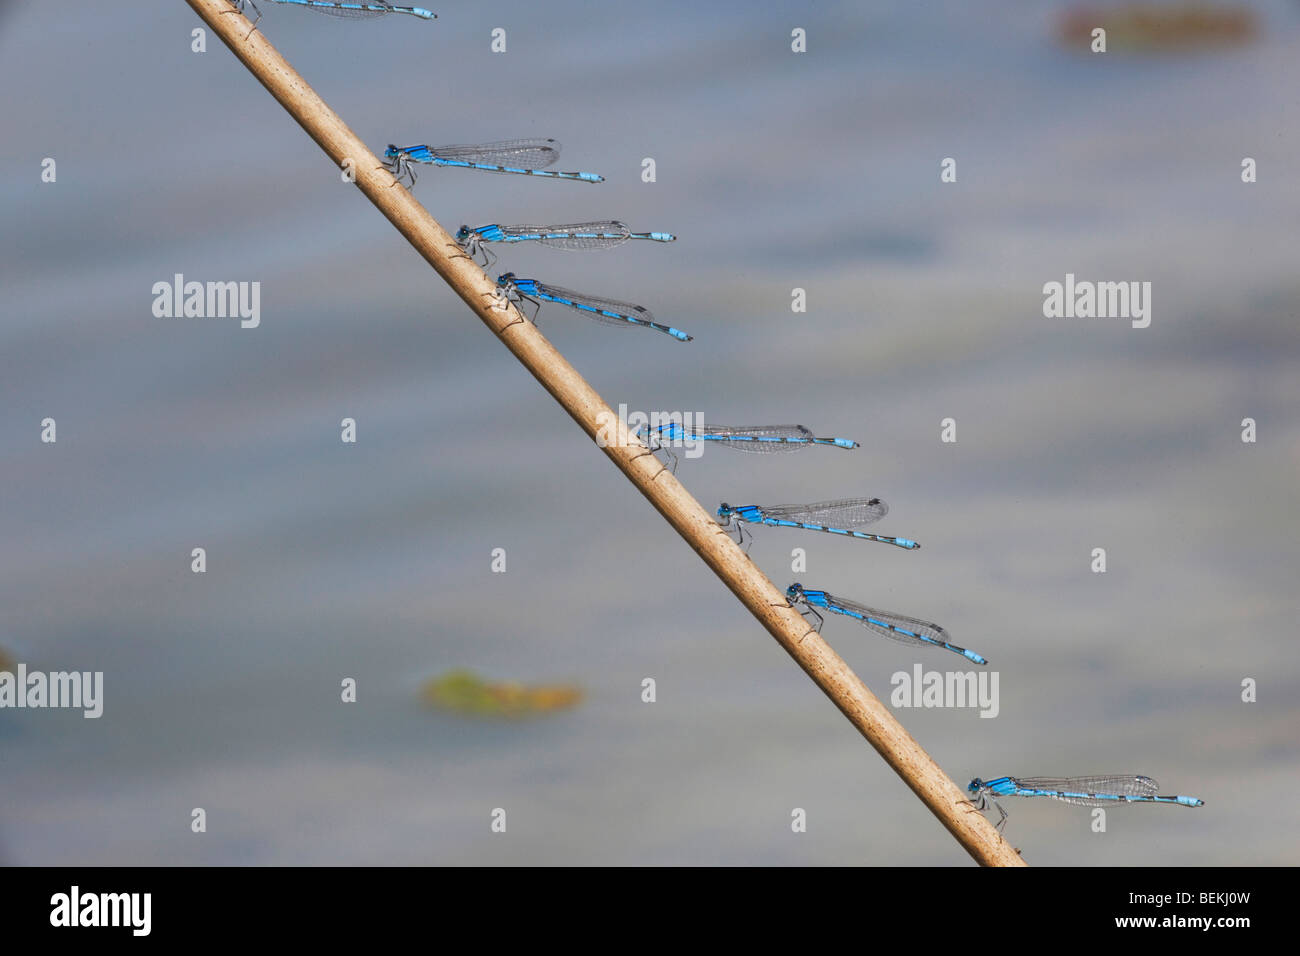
x: 945, y: 800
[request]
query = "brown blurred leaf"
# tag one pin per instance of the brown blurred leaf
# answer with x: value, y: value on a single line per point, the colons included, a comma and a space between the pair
x: 1158, y: 26
x: 466, y: 693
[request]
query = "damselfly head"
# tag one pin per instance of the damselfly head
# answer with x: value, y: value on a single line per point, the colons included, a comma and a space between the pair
x: 975, y: 786
x: 462, y: 234
x: 794, y: 592
x: 391, y: 152
x: 724, y: 512
x: 505, y: 279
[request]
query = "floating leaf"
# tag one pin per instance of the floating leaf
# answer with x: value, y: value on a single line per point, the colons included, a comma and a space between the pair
x: 466, y: 693
x: 1160, y: 26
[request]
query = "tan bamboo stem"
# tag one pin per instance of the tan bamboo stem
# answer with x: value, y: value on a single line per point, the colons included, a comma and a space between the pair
x: 945, y: 800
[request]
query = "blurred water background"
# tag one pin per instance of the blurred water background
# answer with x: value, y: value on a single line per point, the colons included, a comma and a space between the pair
x: 776, y: 170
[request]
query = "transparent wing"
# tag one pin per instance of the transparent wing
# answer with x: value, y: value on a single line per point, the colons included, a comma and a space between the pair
x: 598, y: 302
x: 885, y: 623
x: 845, y: 513
x: 576, y: 235
x: 523, y: 153
x: 738, y: 437
x: 1124, y: 785
x: 354, y: 13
